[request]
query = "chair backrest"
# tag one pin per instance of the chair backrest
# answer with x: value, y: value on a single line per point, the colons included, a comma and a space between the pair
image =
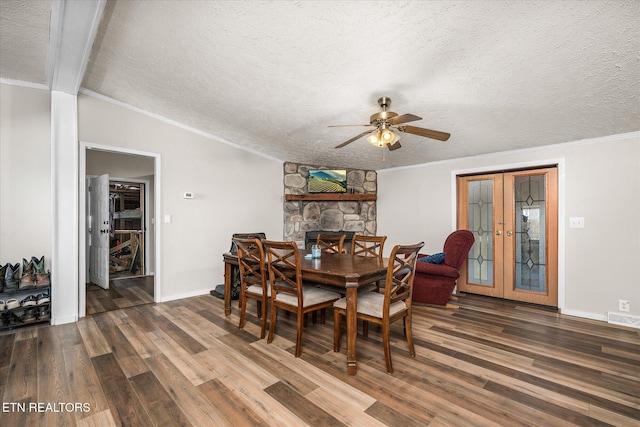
x: 367, y: 245
x: 400, y: 275
x: 260, y: 236
x: 456, y: 248
x: 283, y: 260
x: 331, y: 243
x: 251, y: 262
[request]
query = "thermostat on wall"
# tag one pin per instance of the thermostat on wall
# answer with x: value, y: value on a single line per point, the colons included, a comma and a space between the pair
x: 188, y: 195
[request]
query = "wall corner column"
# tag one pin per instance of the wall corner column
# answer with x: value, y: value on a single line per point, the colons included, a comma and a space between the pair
x: 64, y: 192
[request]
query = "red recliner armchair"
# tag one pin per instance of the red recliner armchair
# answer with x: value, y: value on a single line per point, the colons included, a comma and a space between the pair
x: 434, y: 283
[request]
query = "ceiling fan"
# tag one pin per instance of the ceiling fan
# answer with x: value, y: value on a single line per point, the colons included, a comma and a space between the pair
x: 383, y: 123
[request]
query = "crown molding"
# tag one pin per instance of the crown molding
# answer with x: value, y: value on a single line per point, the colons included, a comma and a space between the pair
x: 600, y: 139
x: 22, y: 83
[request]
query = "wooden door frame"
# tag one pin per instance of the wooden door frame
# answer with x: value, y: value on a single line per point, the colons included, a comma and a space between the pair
x: 492, y: 168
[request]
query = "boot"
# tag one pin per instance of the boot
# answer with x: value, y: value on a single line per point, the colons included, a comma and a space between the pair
x: 3, y: 271
x: 12, y: 277
x: 42, y: 276
x: 28, y: 278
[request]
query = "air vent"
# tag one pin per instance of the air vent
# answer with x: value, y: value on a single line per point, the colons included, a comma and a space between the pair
x: 623, y: 319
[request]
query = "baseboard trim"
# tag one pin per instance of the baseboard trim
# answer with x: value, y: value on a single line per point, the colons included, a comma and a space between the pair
x: 187, y: 295
x: 64, y: 320
x: 583, y: 315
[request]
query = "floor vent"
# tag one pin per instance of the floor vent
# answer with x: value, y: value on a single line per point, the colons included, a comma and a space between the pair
x: 624, y: 320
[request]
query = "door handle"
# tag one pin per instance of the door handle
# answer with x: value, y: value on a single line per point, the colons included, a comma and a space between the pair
x: 498, y: 233
x: 509, y: 233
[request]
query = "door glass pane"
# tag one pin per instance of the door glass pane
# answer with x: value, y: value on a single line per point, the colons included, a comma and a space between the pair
x: 480, y: 261
x: 530, y: 233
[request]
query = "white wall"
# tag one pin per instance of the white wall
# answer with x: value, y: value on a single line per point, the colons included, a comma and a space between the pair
x: 25, y: 174
x: 235, y: 191
x: 601, y: 184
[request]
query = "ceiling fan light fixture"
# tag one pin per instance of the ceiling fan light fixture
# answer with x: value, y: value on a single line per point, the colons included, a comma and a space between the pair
x: 375, y: 139
x: 382, y: 136
x: 387, y: 136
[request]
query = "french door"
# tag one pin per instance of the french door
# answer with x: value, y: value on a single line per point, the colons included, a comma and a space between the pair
x: 514, y: 219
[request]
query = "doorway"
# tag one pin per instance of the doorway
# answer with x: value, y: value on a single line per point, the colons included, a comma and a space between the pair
x: 129, y: 231
x: 514, y: 218
x: 127, y: 242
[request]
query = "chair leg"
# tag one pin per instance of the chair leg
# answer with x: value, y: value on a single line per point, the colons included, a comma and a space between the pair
x: 387, y: 347
x: 299, y: 334
x: 263, y: 313
x: 272, y: 326
x: 314, y: 317
x: 337, y: 320
x: 259, y: 309
x: 365, y: 328
x: 409, y: 334
x: 243, y: 308
x: 323, y: 314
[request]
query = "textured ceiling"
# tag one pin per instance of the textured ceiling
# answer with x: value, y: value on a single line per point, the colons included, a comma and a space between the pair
x: 271, y: 76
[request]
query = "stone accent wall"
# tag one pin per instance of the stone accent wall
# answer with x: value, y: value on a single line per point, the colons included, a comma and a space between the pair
x: 303, y: 216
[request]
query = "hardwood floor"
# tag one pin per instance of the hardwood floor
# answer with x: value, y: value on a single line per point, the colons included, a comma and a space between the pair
x: 184, y: 363
x: 123, y: 292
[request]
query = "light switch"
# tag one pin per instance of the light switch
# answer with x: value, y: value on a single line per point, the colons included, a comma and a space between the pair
x: 576, y: 222
x: 167, y: 219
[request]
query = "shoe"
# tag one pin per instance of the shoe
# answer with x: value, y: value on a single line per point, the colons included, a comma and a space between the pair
x: 28, y: 278
x: 42, y: 276
x: 29, y: 301
x: 42, y: 298
x: 30, y: 315
x: 44, y: 312
x: 12, y: 303
x: 38, y: 264
x: 3, y: 305
x: 3, y: 271
x: 12, y: 277
x: 15, y: 317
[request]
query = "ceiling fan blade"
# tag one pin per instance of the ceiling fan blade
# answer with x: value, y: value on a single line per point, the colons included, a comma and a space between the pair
x: 405, y: 118
x: 394, y: 146
x: 427, y: 133
x: 349, y: 141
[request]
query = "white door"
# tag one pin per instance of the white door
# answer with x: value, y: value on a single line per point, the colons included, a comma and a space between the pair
x: 99, y: 231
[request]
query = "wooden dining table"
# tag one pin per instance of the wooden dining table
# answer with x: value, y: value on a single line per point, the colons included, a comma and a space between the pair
x: 345, y: 272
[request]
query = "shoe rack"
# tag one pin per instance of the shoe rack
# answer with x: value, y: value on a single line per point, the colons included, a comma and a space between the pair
x: 26, y: 305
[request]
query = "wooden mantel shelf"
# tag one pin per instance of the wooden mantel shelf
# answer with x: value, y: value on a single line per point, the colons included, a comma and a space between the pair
x: 324, y: 197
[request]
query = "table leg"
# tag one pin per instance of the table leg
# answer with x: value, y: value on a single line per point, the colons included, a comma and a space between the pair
x: 352, y: 329
x: 227, y: 288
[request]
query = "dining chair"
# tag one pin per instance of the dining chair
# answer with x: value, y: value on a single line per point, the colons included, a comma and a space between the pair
x: 331, y: 243
x: 362, y: 245
x: 253, y: 279
x: 287, y: 290
x: 385, y: 308
x: 372, y: 246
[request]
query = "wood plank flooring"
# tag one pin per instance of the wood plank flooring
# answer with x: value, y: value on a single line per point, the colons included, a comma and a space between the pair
x: 491, y: 363
x: 122, y: 293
